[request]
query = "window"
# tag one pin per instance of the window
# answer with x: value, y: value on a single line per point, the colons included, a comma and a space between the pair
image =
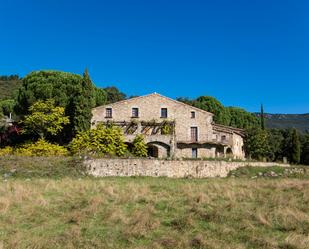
x: 134, y: 112
x: 192, y: 114
x: 163, y: 112
x: 194, y: 134
x: 223, y: 139
x: 194, y: 152
x: 108, y: 113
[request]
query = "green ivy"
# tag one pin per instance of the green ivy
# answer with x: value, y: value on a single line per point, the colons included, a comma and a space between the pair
x: 166, y: 129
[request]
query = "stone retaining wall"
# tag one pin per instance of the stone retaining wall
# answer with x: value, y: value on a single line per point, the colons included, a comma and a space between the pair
x: 168, y: 168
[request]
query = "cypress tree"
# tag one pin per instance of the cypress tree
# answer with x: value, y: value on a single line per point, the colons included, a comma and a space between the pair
x: 83, y: 104
x: 262, y: 118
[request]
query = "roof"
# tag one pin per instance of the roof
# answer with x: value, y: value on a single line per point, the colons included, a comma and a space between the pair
x: 156, y: 94
x: 224, y: 128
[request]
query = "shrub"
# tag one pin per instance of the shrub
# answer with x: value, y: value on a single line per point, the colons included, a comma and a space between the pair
x: 100, y: 141
x: 139, y: 146
x: 6, y: 151
x: 41, y: 148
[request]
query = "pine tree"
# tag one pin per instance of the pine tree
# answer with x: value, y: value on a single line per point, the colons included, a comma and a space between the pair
x: 262, y: 118
x: 71, y: 91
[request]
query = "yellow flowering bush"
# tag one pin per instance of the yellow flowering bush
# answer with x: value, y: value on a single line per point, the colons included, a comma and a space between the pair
x: 139, y: 146
x: 100, y: 141
x: 41, y: 148
x: 6, y: 151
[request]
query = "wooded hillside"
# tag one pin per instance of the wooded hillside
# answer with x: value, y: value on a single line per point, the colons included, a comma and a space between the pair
x: 283, y: 121
x: 8, y: 85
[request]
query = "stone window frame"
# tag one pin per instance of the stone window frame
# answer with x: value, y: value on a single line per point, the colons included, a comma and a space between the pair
x: 108, y: 112
x: 197, y: 133
x: 224, y: 138
x: 135, y: 114
x: 161, y: 112
x: 193, y: 114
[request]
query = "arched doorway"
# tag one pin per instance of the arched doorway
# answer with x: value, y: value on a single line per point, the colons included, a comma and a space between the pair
x: 129, y: 146
x: 153, y: 151
x: 158, y: 149
x: 229, y: 152
x: 219, y: 151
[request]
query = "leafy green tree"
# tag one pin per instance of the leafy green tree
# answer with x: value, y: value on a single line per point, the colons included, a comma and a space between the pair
x: 231, y: 116
x: 256, y: 143
x: 113, y: 95
x: 305, y: 149
x: 100, y: 96
x: 44, y: 119
x: 210, y: 104
x: 70, y: 91
x: 7, y: 106
x: 295, y: 148
x: 240, y: 118
x: 185, y: 100
x: 139, y: 147
x: 291, y: 145
x: 275, y: 141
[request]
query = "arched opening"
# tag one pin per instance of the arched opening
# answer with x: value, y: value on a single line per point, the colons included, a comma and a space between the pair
x: 229, y: 152
x: 129, y: 146
x: 153, y: 151
x: 219, y: 151
x: 158, y: 149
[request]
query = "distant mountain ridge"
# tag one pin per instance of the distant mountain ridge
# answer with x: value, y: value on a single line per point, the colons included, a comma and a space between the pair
x: 283, y: 121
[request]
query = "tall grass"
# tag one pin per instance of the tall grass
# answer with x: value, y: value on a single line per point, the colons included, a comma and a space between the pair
x: 154, y: 213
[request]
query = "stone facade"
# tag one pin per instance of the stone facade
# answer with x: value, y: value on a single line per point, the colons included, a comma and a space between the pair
x: 168, y: 168
x: 171, y: 128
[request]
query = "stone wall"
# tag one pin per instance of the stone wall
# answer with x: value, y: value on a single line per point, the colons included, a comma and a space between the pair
x: 168, y: 168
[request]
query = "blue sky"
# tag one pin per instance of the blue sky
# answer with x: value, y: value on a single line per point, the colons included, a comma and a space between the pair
x: 242, y: 52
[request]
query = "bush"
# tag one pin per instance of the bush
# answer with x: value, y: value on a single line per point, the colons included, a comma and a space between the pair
x: 6, y: 151
x: 139, y: 146
x: 100, y: 141
x: 41, y: 148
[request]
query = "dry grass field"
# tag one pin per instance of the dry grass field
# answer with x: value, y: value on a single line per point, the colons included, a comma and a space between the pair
x: 73, y: 212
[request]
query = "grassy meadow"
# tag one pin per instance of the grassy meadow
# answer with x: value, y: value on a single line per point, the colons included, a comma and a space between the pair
x: 42, y: 208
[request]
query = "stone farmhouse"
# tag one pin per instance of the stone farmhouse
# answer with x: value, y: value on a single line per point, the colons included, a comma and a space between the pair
x: 171, y: 128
